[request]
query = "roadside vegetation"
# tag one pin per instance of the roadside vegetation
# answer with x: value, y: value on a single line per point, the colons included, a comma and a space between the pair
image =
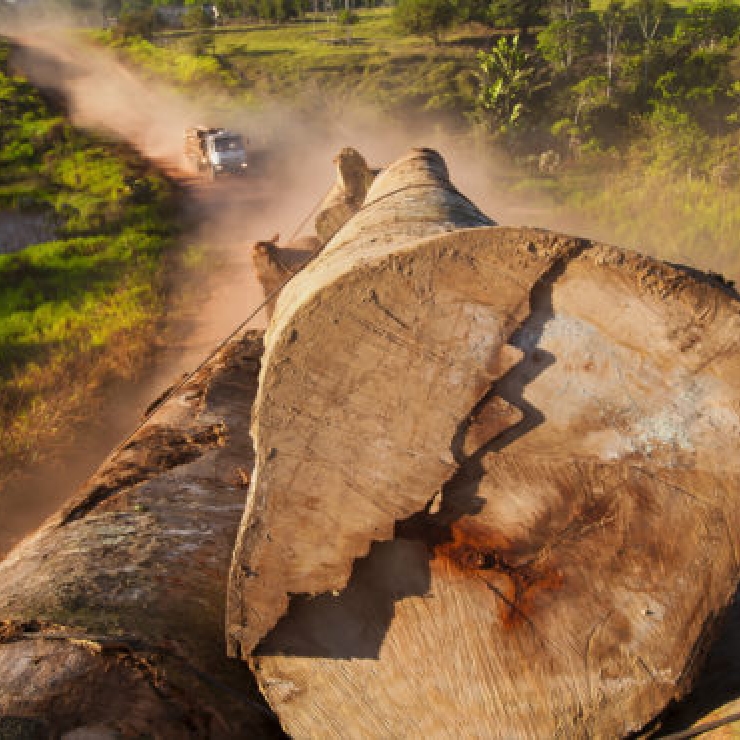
x: 312, y: 63
x: 80, y: 309
x: 627, y: 112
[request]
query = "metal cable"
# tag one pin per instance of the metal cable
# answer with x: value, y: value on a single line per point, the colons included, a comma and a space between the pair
x: 701, y: 729
x: 179, y: 385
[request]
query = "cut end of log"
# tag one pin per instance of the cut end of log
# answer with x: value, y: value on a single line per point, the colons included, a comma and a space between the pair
x: 347, y: 195
x: 417, y: 329
x: 576, y: 405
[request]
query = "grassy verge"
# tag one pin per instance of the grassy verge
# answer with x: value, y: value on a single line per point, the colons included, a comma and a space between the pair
x: 316, y: 63
x: 690, y: 221
x: 80, y: 309
x: 657, y: 197
x: 646, y: 191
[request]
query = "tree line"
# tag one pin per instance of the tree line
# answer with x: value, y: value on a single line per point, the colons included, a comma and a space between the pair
x: 579, y: 80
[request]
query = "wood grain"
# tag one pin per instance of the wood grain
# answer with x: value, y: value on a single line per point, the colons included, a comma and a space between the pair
x: 578, y: 407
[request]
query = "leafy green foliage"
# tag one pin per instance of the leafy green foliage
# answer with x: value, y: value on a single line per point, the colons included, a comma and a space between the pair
x: 612, y: 19
x: 67, y: 304
x: 703, y: 79
x: 649, y: 15
x: 710, y: 22
x: 182, y: 67
x: 424, y: 17
x: 196, y: 17
x: 563, y: 42
x: 142, y: 23
x: 520, y: 15
x: 506, y: 81
x: 347, y: 17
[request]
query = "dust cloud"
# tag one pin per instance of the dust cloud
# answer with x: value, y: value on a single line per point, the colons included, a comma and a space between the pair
x: 291, y: 169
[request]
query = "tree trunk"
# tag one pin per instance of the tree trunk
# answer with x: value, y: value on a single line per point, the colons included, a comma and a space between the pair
x: 496, y: 482
x: 360, y: 349
x: 111, y: 615
x: 347, y: 194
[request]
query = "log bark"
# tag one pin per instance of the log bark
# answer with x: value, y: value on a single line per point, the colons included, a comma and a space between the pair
x: 274, y: 265
x: 111, y: 615
x: 496, y: 482
x: 347, y: 195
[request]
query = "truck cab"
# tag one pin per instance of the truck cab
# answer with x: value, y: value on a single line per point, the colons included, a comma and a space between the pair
x: 216, y: 151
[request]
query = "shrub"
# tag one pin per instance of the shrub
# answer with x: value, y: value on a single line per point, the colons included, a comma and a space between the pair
x: 347, y: 17
x: 424, y: 17
x: 142, y: 23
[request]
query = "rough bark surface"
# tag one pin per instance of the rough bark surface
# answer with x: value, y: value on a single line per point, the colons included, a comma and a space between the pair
x: 347, y: 195
x: 111, y: 615
x: 275, y: 265
x: 577, y: 406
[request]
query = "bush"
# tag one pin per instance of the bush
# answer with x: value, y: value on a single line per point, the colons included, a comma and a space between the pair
x: 201, y: 44
x: 424, y: 17
x: 197, y: 17
x: 347, y: 17
x: 142, y: 23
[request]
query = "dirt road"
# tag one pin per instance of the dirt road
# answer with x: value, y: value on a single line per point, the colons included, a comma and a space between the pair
x: 223, y: 218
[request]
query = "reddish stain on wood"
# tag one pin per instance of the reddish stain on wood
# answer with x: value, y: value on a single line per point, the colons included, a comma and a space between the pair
x: 480, y: 552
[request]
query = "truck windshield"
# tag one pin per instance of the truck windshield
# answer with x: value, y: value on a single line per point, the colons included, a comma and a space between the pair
x: 228, y: 143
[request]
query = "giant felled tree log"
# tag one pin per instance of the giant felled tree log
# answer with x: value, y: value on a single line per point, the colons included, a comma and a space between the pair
x: 496, y: 482
x: 111, y: 615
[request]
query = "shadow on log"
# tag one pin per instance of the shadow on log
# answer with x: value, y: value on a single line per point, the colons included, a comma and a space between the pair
x: 111, y: 615
x: 496, y: 483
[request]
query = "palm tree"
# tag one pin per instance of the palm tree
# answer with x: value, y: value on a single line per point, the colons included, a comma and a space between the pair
x: 506, y: 81
x: 613, y: 19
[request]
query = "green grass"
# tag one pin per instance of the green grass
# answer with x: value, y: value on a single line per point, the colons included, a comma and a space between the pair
x: 689, y: 220
x: 601, y: 4
x: 693, y: 220
x: 312, y: 61
x: 75, y: 310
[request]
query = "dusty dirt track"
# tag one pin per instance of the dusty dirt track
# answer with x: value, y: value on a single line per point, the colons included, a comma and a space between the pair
x: 192, y: 328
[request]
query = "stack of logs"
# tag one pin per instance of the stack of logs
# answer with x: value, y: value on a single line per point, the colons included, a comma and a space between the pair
x: 492, y: 492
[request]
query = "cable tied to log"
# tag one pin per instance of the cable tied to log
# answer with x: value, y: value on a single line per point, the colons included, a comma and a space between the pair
x: 448, y: 186
x: 701, y: 729
x: 242, y: 325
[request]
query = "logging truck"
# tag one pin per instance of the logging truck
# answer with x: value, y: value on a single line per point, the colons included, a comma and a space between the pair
x: 215, y: 151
